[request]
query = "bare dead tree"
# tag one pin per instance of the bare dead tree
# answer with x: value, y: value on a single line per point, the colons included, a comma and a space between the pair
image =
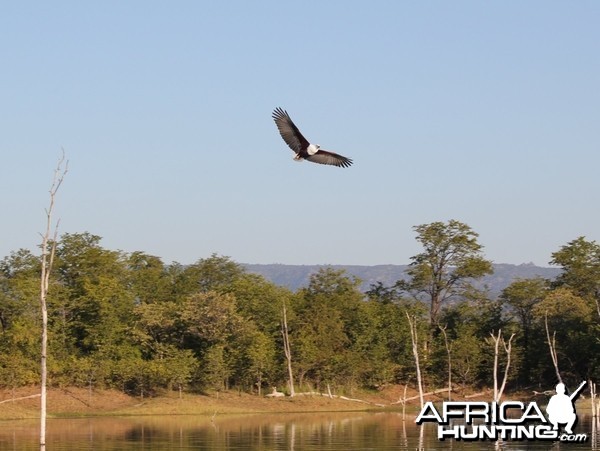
x: 496, y: 342
x: 47, y: 260
x: 412, y: 321
x: 508, y: 349
x: 595, y: 413
x: 287, y: 350
x: 552, y: 346
x: 449, y: 352
x: 404, y: 403
x: 592, y: 386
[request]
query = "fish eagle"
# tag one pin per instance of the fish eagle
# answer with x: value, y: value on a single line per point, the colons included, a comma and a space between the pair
x: 303, y: 149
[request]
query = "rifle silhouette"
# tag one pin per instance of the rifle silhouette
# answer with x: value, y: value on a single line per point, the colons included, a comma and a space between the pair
x: 576, y: 392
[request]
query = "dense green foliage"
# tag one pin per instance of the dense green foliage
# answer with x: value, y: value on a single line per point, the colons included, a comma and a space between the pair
x: 131, y: 322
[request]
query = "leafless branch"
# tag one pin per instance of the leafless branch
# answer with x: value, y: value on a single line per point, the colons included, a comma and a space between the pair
x: 552, y: 346
x: 47, y: 260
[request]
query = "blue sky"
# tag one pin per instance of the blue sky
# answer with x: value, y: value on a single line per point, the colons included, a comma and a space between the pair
x: 484, y: 112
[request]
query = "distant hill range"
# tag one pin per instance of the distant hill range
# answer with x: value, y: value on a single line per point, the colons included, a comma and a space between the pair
x: 298, y: 276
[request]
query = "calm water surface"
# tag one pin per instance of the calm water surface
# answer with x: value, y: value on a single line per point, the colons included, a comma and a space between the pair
x: 316, y: 431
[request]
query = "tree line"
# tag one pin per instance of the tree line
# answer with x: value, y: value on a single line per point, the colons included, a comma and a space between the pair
x: 131, y: 322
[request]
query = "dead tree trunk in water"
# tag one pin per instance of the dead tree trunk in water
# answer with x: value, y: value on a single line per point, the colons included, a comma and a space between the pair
x: 593, y: 399
x: 508, y: 349
x: 287, y: 350
x: 412, y: 321
x: 47, y: 259
x: 449, y: 352
x: 552, y: 346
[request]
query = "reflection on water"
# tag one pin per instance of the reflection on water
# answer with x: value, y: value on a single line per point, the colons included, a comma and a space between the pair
x: 317, y: 431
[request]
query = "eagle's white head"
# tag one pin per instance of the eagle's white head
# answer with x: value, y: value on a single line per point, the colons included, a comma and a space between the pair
x: 312, y: 149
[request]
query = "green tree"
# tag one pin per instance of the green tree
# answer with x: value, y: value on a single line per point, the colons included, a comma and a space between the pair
x: 210, y: 317
x: 19, y: 287
x: 319, y: 342
x: 451, y: 260
x: 382, y: 344
x: 211, y: 322
x: 569, y: 319
x: 181, y: 366
x: 329, y: 319
x: 148, y: 278
x: 216, y: 273
x: 467, y: 356
x: 260, y: 303
x: 522, y: 296
x: 156, y: 327
x: 100, y: 305
x: 259, y: 300
x: 85, y: 372
x: 580, y: 262
x: 254, y: 357
x: 214, y: 368
x: 386, y: 338
x: 19, y: 322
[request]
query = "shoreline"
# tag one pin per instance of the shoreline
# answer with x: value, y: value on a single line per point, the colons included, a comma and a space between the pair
x: 23, y: 403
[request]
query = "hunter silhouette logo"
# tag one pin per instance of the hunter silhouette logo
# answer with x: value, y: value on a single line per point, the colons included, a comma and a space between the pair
x: 509, y: 420
x: 561, y: 408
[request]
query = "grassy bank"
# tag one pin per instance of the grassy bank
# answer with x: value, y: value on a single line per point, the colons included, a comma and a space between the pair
x: 74, y: 401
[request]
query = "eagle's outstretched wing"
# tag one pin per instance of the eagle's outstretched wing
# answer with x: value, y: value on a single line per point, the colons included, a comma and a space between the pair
x: 300, y: 145
x: 289, y: 132
x: 334, y: 159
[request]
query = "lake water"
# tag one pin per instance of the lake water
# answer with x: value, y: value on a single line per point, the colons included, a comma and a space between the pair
x: 315, y: 431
